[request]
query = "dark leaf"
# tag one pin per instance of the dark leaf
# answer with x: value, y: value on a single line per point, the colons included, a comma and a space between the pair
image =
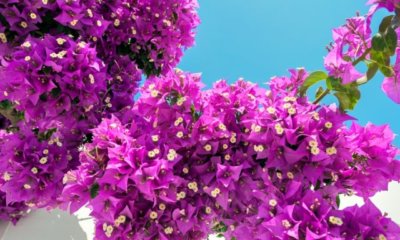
x: 385, y: 23
x: 172, y: 98
x: 372, y: 70
x: 55, y: 92
x: 378, y: 42
x: 338, y: 201
x: 378, y: 57
x: 87, y: 138
x: 195, y: 114
x: 5, y: 104
x: 383, y: 62
x: 94, y: 190
x: 391, y: 40
x: 220, y: 227
x: 386, y: 70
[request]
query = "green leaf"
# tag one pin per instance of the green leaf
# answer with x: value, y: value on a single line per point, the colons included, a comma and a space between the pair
x: 338, y: 201
x: 385, y: 23
x: 220, y: 227
x: 19, y: 115
x: 378, y: 42
x: 55, y: 92
x: 378, y: 56
x: 312, y: 79
x: 94, y: 190
x: 46, y: 135
x: 383, y: 62
x: 348, y: 95
x: 195, y: 114
x: 75, y: 101
x: 344, y: 100
x: 386, y: 70
x: 329, y: 83
x: 335, y: 84
x: 372, y: 70
x: 172, y: 98
x: 348, y: 99
x: 87, y: 138
x: 391, y: 40
x: 5, y: 104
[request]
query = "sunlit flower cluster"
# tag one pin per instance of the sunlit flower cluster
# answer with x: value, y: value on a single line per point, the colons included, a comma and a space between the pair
x: 354, y: 43
x: 238, y: 159
x: 66, y: 64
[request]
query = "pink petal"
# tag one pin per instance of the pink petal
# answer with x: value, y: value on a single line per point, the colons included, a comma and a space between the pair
x: 391, y: 88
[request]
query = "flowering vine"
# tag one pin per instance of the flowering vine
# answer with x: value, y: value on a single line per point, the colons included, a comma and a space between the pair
x: 181, y: 162
x: 63, y: 66
x: 239, y: 160
x: 353, y: 43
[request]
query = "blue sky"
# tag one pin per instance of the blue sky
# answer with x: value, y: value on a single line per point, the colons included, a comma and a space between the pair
x: 258, y: 39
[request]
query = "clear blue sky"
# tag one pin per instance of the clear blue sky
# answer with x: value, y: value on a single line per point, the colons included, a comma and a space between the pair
x: 258, y: 39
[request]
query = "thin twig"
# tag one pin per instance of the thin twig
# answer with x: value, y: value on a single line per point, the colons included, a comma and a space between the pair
x: 320, y: 97
x: 362, y: 57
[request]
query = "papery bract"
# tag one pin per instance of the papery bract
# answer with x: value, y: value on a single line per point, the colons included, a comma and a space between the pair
x: 235, y: 159
x: 64, y: 65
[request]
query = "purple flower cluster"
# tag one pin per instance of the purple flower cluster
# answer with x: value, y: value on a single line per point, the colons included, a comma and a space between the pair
x: 350, y: 42
x: 63, y: 66
x: 238, y: 160
x: 50, y: 76
x: 182, y: 162
x: 153, y: 33
x: 353, y: 43
x: 390, y: 5
x: 9, y: 211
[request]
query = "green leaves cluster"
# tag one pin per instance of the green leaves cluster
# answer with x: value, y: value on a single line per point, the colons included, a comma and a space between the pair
x: 347, y: 95
x: 142, y: 58
x: 377, y: 58
x: 384, y: 45
x: 46, y: 135
x: 220, y: 228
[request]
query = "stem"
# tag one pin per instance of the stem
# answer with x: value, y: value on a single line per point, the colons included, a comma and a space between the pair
x: 362, y: 57
x: 320, y: 97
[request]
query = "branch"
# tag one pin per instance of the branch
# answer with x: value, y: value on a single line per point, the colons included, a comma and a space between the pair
x: 320, y: 97
x: 362, y: 57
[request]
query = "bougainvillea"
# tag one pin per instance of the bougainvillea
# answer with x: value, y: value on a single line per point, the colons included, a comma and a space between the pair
x: 354, y: 43
x: 350, y: 43
x: 66, y: 64
x: 182, y: 162
x: 153, y: 33
x: 11, y: 211
x: 390, y: 5
x: 237, y: 159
